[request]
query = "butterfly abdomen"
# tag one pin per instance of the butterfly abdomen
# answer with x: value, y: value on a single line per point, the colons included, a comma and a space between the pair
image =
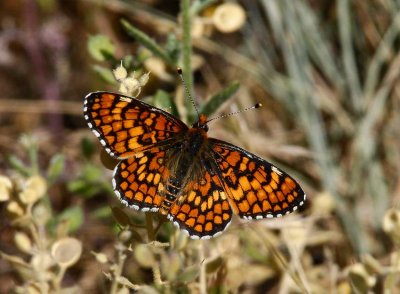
x: 187, y: 152
x: 171, y: 191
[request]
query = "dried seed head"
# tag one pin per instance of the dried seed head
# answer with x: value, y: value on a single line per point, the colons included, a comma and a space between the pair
x: 158, y: 68
x: 131, y: 84
x: 5, y: 188
x: 197, y: 29
x: 23, y: 242
x: 123, y: 290
x: 295, y: 236
x: 125, y: 235
x: 391, y: 224
x: 144, y: 79
x: 144, y: 256
x: 120, y: 73
x: 360, y: 278
x: 66, y: 251
x: 41, y: 214
x: 123, y: 89
x: 33, y: 288
x: 100, y: 257
x: 41, y: 261
x: 14, y: 208
x: 229, y: 17
x: 35, y: 188
x: 323, y: 204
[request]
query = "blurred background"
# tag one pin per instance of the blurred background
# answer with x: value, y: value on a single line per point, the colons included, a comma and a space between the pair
x: 327, y: 74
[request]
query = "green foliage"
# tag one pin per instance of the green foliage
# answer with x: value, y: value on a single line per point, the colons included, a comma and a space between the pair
x: 89, y: 183
x: 164, y: 101
x: 88, y: 148
x: 105, y: 73
x: 172, y: 47
x: 148, y: 42
x: 200, y: 5
x: 55, y: 168
x: 100, y: 47
x: 213, y: 104
x: 72, y: 217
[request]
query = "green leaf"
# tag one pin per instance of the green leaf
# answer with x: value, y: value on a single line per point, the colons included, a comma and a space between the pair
x: 213, y: 265
x: 212, y: 105
x: 120, y: 216
x: 148, y: 42
x: 103, y: 212
x: 105, y: 73
x: 100, y: 47
x: 74, y: 217
x: 88, y: 148
x: 189, y: 274
x: 200, y: 5
x: 173, y: 47
x: 55, y: 167
x: 19, y: 166
x: 128, y: 61
x: 164, y: 101
x: 92, y: 173
x: 83, y: 189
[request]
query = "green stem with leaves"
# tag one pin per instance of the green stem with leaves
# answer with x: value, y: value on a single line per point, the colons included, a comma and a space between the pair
x: 186, y: 57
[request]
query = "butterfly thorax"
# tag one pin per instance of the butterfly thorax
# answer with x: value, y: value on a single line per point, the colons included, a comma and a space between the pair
x: 188, y: 159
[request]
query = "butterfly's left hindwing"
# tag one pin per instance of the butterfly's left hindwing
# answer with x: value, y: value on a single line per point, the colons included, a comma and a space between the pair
x: 139, y: 179
x: 256, y: 188
x: 125, y: 125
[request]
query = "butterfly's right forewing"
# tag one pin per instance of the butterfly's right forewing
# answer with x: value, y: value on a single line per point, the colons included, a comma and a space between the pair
x: 126, y: 126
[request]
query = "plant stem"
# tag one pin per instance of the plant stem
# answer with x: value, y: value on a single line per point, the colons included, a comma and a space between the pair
x: 149, y: 227
x: 202, y: 278
x: 58, y: 279
x: 151, y: 238
x: 186, y: 57
x: 118, y: 271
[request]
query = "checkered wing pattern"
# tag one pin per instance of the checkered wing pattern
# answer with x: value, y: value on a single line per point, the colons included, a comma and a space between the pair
x: 139, y: 180
x: 202, y: 210
x: 256, y: 189
x: 126, y: 126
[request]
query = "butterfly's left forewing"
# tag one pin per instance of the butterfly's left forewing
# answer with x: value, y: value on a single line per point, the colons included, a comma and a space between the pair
x: 126, y: 126
x: 256, y: 188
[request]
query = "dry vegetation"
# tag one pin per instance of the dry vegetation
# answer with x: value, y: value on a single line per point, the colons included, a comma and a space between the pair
x: 327, y: 73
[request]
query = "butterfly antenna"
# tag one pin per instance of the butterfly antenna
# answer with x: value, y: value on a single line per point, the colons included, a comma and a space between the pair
x: 257, y: 105
x: 179, y: 70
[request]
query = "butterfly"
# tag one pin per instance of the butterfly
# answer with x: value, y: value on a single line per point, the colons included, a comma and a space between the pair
x: 196, y: 181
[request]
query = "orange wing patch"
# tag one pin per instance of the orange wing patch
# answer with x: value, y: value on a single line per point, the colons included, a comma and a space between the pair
x: 203, y: 211
x: 256, y: 189
x: 138, y: 180
x: 126, y: 126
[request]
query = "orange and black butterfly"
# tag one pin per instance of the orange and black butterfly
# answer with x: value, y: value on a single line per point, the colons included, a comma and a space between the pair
x: 196, y: 181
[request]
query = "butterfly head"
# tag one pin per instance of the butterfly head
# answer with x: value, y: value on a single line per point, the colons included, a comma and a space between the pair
x: 201, y: 123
